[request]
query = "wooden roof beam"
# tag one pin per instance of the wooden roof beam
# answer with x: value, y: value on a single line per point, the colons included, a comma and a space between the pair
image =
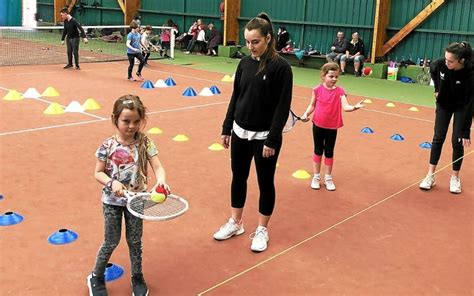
x: 131, y: 9
x: 231, y: 23
x: 415, y: 22
x: 382, y: 17
x: 60, y: 4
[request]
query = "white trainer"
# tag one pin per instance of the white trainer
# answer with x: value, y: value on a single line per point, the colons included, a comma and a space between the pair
x: 428, y: 182
x: 329, y: 183
x: 455, y: 185
x: 259, y: 239
x: 315, y: 182
x: 229, y: 229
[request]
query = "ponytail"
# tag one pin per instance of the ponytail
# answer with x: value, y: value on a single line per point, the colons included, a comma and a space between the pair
x: 263, y: 23
x: 462, y: 50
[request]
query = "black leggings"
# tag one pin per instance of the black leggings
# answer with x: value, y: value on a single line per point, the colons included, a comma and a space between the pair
x: 324, y: 141
x: 442, y: 120
x: 242, y: 152
x: 131, y: 61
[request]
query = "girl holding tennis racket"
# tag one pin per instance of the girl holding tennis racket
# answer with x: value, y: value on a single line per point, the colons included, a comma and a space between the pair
x: 122, y: 165
x: 257, y: 112
x: 327, y: 103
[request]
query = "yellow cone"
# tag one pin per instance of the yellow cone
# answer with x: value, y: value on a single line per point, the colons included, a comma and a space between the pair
x: 414, y: 109
x: 390, y: 105
x: 301, y: 174
x: 227, y: 78
x: 216, y: 147
x: 367, y: 101
x: 50, y: 92
x: 13, y: 95
x: 54, y: 109
x: 155, y: 131
x: 180, y: 138
x: 91, y: 104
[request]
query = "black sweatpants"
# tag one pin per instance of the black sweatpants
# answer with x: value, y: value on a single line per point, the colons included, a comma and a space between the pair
x: 72, y: 45
x: 242, y: 151
x: 442, y: 119
x: 131, y: 61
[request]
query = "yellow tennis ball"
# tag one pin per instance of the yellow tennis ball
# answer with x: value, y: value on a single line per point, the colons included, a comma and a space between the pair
x: 159, y: 194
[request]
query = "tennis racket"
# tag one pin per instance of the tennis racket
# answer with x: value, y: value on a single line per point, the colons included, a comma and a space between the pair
x: 290, y: 122
x: 142, y: 206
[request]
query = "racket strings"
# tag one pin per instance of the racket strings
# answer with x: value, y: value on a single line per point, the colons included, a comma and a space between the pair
x: 144, y: 206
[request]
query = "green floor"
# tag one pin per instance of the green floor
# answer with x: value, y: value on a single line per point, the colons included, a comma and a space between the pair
x: 363, y: 86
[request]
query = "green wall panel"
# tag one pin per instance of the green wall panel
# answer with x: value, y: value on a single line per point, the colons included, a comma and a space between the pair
x: 315, y: 22
x: 10, y: 13
x: 45, y: 11
x: 452, y: 22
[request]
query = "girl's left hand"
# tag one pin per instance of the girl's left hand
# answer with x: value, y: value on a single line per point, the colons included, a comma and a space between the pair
x: 359, y: 105
x: 164, y: 185
x: 268, y: 152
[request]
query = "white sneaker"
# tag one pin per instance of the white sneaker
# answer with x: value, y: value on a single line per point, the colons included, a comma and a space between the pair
x: 315, y: 182
x: 455, y: 185
x: 329, y: 183
x: 428, y: 182
x: 259, y: 239
x: 229, y: 229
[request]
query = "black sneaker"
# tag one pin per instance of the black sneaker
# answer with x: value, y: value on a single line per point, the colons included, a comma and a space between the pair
x: 67, y: 66
x: 343, y: 73
x: 139, y: 286
x: 96, y: 285
x: 357, y: 74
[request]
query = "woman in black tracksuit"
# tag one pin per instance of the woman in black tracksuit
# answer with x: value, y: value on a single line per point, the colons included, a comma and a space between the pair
x: 253, y: 126
x: 453, y: 78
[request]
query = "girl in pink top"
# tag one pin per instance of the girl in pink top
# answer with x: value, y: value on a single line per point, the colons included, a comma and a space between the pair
x: 327, y: 102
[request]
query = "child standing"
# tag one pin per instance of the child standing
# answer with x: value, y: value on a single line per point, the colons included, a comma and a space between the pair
x: 134, y: 51
x: 327, y: 100
x: 122, y: 164
x: 147, y: 45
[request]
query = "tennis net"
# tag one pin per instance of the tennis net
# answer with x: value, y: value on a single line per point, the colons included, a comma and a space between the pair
x: 42, y: 45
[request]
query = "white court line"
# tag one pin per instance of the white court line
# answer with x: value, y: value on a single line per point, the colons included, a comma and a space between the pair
x: 49, y: 102
x: 49, y: 127
x: 103, y: 119
x: 324, y: 230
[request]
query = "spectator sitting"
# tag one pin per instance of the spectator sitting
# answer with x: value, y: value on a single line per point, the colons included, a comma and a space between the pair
x: 215, y: 38
x: 185, y: 38
x: 355, y: 52
x: 196, y: 30
x: 282, y: 38
x: 338, y: 48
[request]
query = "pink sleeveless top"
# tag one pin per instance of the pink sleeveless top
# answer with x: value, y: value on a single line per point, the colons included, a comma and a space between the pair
x: 328, y: 107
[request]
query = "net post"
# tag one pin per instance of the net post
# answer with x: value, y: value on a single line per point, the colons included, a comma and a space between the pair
x: 172, y: 42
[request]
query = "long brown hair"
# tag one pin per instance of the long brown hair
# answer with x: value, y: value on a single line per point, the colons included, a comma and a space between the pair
x: 263, y: 23
x: 134, y: 103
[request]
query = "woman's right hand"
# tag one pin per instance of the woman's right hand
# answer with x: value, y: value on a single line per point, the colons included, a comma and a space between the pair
x: 225, y: 141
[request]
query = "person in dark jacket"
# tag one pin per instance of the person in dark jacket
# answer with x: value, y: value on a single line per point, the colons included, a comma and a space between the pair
x: 71, y: 34
x: 453, y: 78
x: 215, y: 38
x: 355, y: 52
x: 338, y: 48
x: 282, y: 38
x: 257, y: 112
